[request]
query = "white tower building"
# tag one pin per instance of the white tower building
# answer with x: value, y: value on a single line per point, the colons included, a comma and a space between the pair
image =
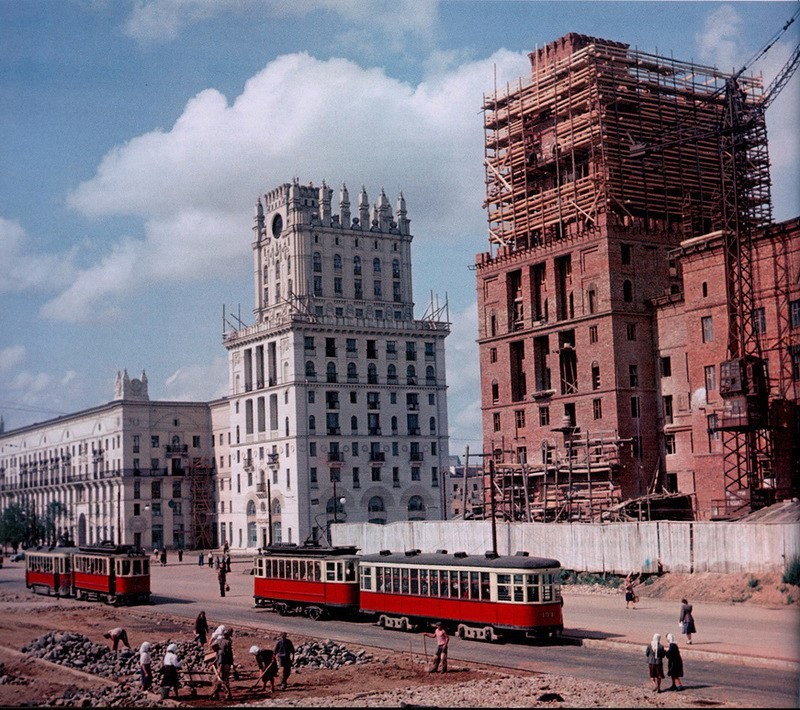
x: 338, y: 395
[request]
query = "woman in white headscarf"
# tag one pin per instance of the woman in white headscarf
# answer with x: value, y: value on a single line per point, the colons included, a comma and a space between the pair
x: 145, y: 666
x: 169, y: 671
x: 674, y: 663
x: 655, y: 661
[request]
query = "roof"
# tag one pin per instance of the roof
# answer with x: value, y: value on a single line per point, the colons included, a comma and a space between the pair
x: 460, y: 559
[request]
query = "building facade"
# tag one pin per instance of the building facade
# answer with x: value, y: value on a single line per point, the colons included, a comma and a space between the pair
x: 131, y: 471
x: 338, y: 408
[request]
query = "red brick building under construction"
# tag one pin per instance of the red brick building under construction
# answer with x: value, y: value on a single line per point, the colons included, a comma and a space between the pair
x: 603, y: 229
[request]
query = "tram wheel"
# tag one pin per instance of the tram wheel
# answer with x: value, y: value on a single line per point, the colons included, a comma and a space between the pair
x: 314, y: 613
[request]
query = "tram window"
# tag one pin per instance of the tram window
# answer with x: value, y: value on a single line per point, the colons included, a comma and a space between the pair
x: 349, y: 572
x: 404, y: 580
x: 503, y: 584
x: 126, y: 567
x: 293, y: 573
x: 464, y: 584
x: 317, y: 571
x: 474, y: 587
x: 145, y: 566
x: 330, y: 571
x: 396, y: 580
x: 378, y: 579
x: 281, y: 568
x: 486, y: 590
x: 519, y: 589
x: 423, y: 582
x: 547, y: 587
x: 444, y: 583
x: 414, y: 581
x: 136, y: 567
x: 434, y: 583
x: 533, y: 588
x: 454, y: 584
x: 366, y: 577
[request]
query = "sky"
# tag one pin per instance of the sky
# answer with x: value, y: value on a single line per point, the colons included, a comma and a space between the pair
x: 137, y: 136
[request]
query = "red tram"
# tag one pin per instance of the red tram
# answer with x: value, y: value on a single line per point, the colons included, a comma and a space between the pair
x: 115, y: 574
x: 309, y: 580
x: 486, y: 598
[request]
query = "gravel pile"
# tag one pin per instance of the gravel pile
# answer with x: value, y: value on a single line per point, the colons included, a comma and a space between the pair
x: 328, y: 655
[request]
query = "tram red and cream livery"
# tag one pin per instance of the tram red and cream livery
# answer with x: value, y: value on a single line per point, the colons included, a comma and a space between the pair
x: 308, y: 580
x: 480, y: 597
x: 476, y: 597
x: 115, y: 574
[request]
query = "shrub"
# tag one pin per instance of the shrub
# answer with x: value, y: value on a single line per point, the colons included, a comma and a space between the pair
x: 791, y: 575
x: 752, y: 583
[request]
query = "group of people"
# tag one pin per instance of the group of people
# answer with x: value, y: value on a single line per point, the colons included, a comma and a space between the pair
x: 222, y: 561
x: 656, y: 652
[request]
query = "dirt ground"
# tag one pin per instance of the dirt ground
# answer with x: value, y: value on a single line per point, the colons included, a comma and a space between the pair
x: 390, y: 680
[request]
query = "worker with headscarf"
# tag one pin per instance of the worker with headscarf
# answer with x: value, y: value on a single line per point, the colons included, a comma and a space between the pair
x: 169, y: 671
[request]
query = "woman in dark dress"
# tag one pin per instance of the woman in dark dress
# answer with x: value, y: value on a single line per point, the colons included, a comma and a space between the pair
x: 655, y: 661
x: 687, y: 620
x: 674, y: 663
x: 201, y: 628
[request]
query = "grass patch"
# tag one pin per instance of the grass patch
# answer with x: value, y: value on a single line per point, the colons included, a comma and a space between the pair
x: 791, y: 575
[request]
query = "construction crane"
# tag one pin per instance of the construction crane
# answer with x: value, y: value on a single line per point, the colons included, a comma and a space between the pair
x: 744, y: 208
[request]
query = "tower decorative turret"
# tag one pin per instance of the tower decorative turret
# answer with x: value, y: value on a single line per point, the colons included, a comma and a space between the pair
x: 325, y: 203
x: 363, y: 208
x: 259, y: 230
x: 126, y: 388
x: 402, y: 219
x: 344, y: 206
x: 384, y: 212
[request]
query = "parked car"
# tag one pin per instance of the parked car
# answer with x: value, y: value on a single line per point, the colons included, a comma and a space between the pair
x: 17, y: 557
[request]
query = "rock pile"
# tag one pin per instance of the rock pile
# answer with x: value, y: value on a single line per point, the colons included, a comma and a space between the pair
x: 328, y: 655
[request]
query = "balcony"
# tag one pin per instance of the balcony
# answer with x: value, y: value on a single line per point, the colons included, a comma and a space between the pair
x: 374, y: 431
x: 261, y: 490
x: 248, y: 463
x: 377, y: 457
x: 416, y: 456
x: 272, y: 461
x: 335, y: 459
x: 178, y: 449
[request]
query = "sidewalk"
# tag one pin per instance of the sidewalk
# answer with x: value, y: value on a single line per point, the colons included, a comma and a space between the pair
x: 737, y: 633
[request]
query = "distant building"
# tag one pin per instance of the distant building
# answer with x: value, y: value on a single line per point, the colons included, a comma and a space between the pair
x: 338, y: 406
x: 133, y: 471
x: 466, y: 489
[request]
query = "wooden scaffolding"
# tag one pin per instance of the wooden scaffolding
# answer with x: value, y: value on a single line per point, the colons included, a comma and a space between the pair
x: 200, y: 474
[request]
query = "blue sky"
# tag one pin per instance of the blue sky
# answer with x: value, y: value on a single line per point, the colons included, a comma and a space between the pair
x: 137, y: 136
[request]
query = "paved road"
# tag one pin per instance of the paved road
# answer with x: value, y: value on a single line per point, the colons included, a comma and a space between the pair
x: 604, y: 640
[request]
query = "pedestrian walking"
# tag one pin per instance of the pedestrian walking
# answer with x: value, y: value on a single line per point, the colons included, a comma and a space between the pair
x: 169, y: 671
x: 284, y: 652
x: 210, y: 561
x: 223, y: 665
x: 201, y: 559
x: 201, y: 628
x: 216, y: 562
x: 116, y: 635
x: 687, y: 621
x: 442, y: 641
x: 655, y: 661
x: 164, y: 557
x: 630, y: 595
x: 228, y: 562
x: 674, y: 663
x: 222, y: 577
x: 267, y: 666
x: 145, y: 666
x: 180, y: 554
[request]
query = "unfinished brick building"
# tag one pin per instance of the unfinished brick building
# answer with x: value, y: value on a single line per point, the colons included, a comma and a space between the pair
x: 582, y: 238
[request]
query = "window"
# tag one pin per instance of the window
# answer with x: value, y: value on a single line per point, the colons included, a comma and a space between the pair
x: 597, y: 408
x: 136, y: 444
x: 710, y: 373
x: 330, y: 347
x: 495, y: 391
x: 713, y: 427
x: 630, y: 330
x: 707, y: 324
x: 592, y: 333
x: 492, y: 354
x: 705, y: 289
x: 595, y: 375
x: 668, y: 409
x: 317, y: 261
x: 627, y: 291
x: 496, y: 421
x: 317, y: 286
x: 794, y: 313
x: 154, y: 442
x: 356, y: 265
x: 377, y: 291
x: 519, y: 418
x: 592, y: 294
x: 669, y: 443
x: 337, y: 262
x: 337, y: 285
x: 544, y: 416
x: 759, y: 321
x: 376, y: 265
x: 794, y: 354
x: 625, y: 253
x: 666, y: 367
x: 411, y: 350
x: 635, y: 407
x: 633, y: 375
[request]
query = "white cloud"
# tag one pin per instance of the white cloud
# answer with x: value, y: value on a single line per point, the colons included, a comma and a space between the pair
x: 23, y: 268
x: 720, y: 41
x: 198, y: 382
x: 11, y: 357
x: 195, y: 185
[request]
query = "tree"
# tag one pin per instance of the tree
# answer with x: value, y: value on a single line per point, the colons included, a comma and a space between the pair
x: 17, y: 525
x: 54, y: 512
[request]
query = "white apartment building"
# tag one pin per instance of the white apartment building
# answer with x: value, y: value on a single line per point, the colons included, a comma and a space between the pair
x: 132, y: 471
x: 338, y: 408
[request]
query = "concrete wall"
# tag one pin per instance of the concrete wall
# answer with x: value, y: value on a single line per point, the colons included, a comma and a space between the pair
x: 613, y: 548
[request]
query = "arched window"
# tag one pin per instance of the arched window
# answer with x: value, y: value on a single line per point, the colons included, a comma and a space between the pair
x: 251, y: 508
x: 317, y: 262
x: 391, y: 374
x: 331, y: 372
x: 276, y: 507
x: 592, y: 298
x: 312, y: 422
x: 376, y: 505
x: 411, y: 375
x: 310, y: 369
x: 352, y: 372
x: 357, y: 265
x: 595, y: 375
x: 432, y: 424
x: 337, y: 262
x: 372, y: 374
x: 627, y: 291
x: 339, y: 507
x: 376, y: 265
x: 416, y: 508
x: 430, y: 375
x: 396, y: 268
x: 354, y: 424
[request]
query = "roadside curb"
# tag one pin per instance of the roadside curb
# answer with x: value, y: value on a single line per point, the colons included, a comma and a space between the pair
x: 697, y: 654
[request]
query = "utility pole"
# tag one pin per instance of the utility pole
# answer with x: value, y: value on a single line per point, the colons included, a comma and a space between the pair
x: 269, y: 511
x: 491, y: 498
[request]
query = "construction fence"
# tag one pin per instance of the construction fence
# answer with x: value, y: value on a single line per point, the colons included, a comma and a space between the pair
x: 612, y: 548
